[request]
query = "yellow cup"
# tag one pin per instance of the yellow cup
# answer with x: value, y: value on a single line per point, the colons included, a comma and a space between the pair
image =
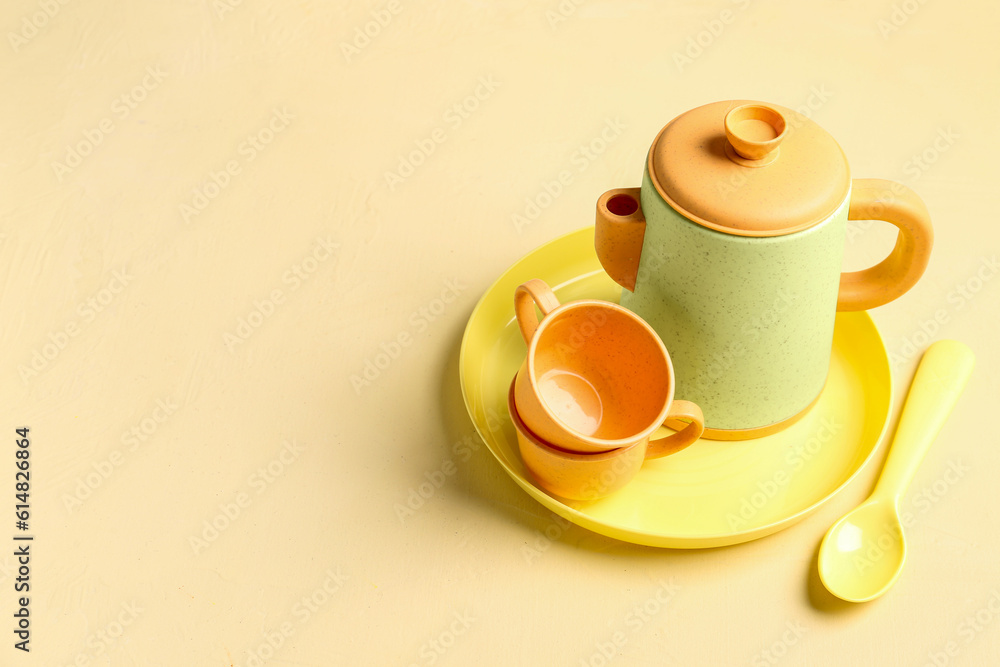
x: 596, y: 377
x: 578, y: 476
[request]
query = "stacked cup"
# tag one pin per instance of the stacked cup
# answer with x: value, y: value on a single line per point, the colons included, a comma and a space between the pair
x: 595, y: 385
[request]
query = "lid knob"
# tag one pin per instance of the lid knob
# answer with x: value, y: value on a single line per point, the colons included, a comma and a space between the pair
x: 754, y: 132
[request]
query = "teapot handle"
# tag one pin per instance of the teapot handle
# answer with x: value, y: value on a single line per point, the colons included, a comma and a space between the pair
x: 618, y: 236
x: 877, y: 199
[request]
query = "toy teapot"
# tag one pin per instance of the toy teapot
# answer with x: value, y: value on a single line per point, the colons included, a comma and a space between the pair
x: 732, y: 249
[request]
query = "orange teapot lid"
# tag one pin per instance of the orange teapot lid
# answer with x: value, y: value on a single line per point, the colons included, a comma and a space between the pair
x: 749, y: 168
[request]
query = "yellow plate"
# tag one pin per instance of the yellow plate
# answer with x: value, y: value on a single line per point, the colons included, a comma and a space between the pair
x: 713, y: 493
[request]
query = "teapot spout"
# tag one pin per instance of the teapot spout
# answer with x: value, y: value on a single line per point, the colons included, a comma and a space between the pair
x: 618, y: 234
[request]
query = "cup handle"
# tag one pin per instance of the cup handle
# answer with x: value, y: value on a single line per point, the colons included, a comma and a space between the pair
x: 877, y: 199
x: 525, y: 297
x: 619, y: 233
x: 682, y: 411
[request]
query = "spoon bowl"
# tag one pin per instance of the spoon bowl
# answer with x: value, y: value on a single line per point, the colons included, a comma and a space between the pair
x: 863, y: 553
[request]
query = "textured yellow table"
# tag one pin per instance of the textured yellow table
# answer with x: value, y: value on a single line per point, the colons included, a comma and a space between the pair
x: 239, y: 243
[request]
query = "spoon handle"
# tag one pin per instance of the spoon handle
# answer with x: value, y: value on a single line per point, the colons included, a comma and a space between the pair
x: 939, y: 381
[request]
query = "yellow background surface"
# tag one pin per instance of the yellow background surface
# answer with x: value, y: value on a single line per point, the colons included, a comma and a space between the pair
x: 239, y: 243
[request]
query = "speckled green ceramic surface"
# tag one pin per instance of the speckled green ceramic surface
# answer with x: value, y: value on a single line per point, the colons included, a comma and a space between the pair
x: 748, y: 321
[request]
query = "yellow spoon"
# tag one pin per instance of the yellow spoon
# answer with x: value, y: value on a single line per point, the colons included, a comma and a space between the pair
x: 862, y: 554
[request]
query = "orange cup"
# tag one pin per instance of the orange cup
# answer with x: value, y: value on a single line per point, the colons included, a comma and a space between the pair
x: 574, y: 475
x: 596, y: 377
